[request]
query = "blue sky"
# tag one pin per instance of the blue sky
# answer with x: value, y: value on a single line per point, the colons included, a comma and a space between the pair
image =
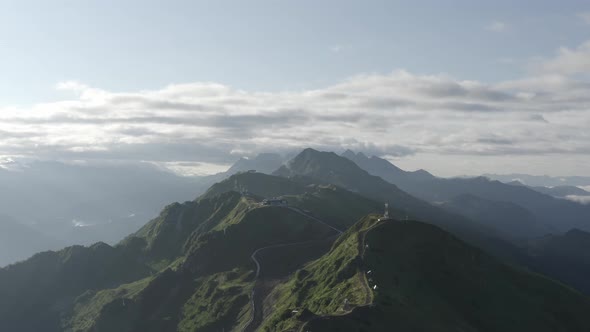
x: 269, y: 45
x: 455, y: 87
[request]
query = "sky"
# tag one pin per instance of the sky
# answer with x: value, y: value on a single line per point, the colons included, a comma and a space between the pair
x: 454, y: 87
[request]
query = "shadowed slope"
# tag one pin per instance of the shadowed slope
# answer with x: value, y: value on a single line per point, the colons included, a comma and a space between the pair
x: 426, y: 280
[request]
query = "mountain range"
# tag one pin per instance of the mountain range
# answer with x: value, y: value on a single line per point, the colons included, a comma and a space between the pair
x: 551, y: 213
x: 542, y: 180
x: 49, y: 205
x: 323, y: 261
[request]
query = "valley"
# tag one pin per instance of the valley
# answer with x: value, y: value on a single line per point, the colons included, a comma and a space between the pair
x: 318, y: 257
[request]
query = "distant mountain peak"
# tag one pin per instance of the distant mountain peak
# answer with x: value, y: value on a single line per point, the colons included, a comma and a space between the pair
x: 578, y: 233
x: 263, y: 162
x: 384, y: 168
x: 349, y: 154
x: 516, y: 183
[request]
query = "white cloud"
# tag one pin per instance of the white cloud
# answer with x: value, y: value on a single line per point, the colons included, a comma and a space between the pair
x: 567, y: 61
x: 579, y: 199
x: 194, y: 168
x: 585, y: 16
x: 336, y: 48
x: 432, y: 119
x: 497, y: 26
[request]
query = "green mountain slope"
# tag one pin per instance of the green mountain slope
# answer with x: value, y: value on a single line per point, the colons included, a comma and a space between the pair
x: 226, y: 262
x: 188, y: 269
x: 33, y: 293
x: 336, y: 205
x: 258, y: 184
x: 427, y: 280
x: 208, y: 286
x: 165, y: 237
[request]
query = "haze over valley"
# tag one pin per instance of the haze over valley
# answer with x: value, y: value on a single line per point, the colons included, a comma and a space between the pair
x: 294, y: 166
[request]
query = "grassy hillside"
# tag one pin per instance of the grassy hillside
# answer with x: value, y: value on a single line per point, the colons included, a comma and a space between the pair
x: 336, y: 205
x: 191, y: 269
x: 428, y: 280
x: 231, y: 246
x: 258, y: 184
x: 164, y: 238
x: 33, y: 293
x: 207, y: 288
x: 323, y: 286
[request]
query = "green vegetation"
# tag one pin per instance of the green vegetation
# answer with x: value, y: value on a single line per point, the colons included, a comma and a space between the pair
x: 164, y: 238
x: 190, y: 269
x: 225, y: 249
x: 220, y: 301
x: 257, y: 184
x: 339, y: 207
x: 33, y: 293
x: 323, y: 286
x: 430, y: 281
x: 88, y: 306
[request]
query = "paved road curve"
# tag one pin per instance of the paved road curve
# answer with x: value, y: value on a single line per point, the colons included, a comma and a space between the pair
x: 250, y: 327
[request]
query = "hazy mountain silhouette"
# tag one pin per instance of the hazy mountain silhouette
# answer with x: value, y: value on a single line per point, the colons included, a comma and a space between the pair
x: 84, y: 204
x: 542, y: 180
x: 191, y: 269
x: 311, y: 166
x: 565, y: 257
x: 562, y: 191
x: 549, y: 211
x: 18, y: 241
x: 511, y: 219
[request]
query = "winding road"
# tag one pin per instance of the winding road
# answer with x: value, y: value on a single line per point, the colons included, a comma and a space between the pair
x: 369, y: 296
x: 252, y: 323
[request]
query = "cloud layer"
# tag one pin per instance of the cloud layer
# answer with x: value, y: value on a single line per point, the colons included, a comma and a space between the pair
x: 394, y: 115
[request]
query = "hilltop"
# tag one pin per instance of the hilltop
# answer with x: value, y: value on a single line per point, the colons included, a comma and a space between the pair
x: 421, y: 278
x: 321, y: 261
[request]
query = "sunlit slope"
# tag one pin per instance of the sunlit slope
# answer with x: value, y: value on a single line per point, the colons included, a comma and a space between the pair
x: 208, y: 287
x: 427, y: 280
x: 334, y: 204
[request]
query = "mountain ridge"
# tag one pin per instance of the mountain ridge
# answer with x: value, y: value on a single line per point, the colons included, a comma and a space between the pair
x: 192, y: 268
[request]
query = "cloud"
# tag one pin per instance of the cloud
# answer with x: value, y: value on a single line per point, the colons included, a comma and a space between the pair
x: 497, y: 26
x: 193, y: 127
x: 585, y: 200
x: 585, y: 16
x: 336, y: 48
x: 566, y: 61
